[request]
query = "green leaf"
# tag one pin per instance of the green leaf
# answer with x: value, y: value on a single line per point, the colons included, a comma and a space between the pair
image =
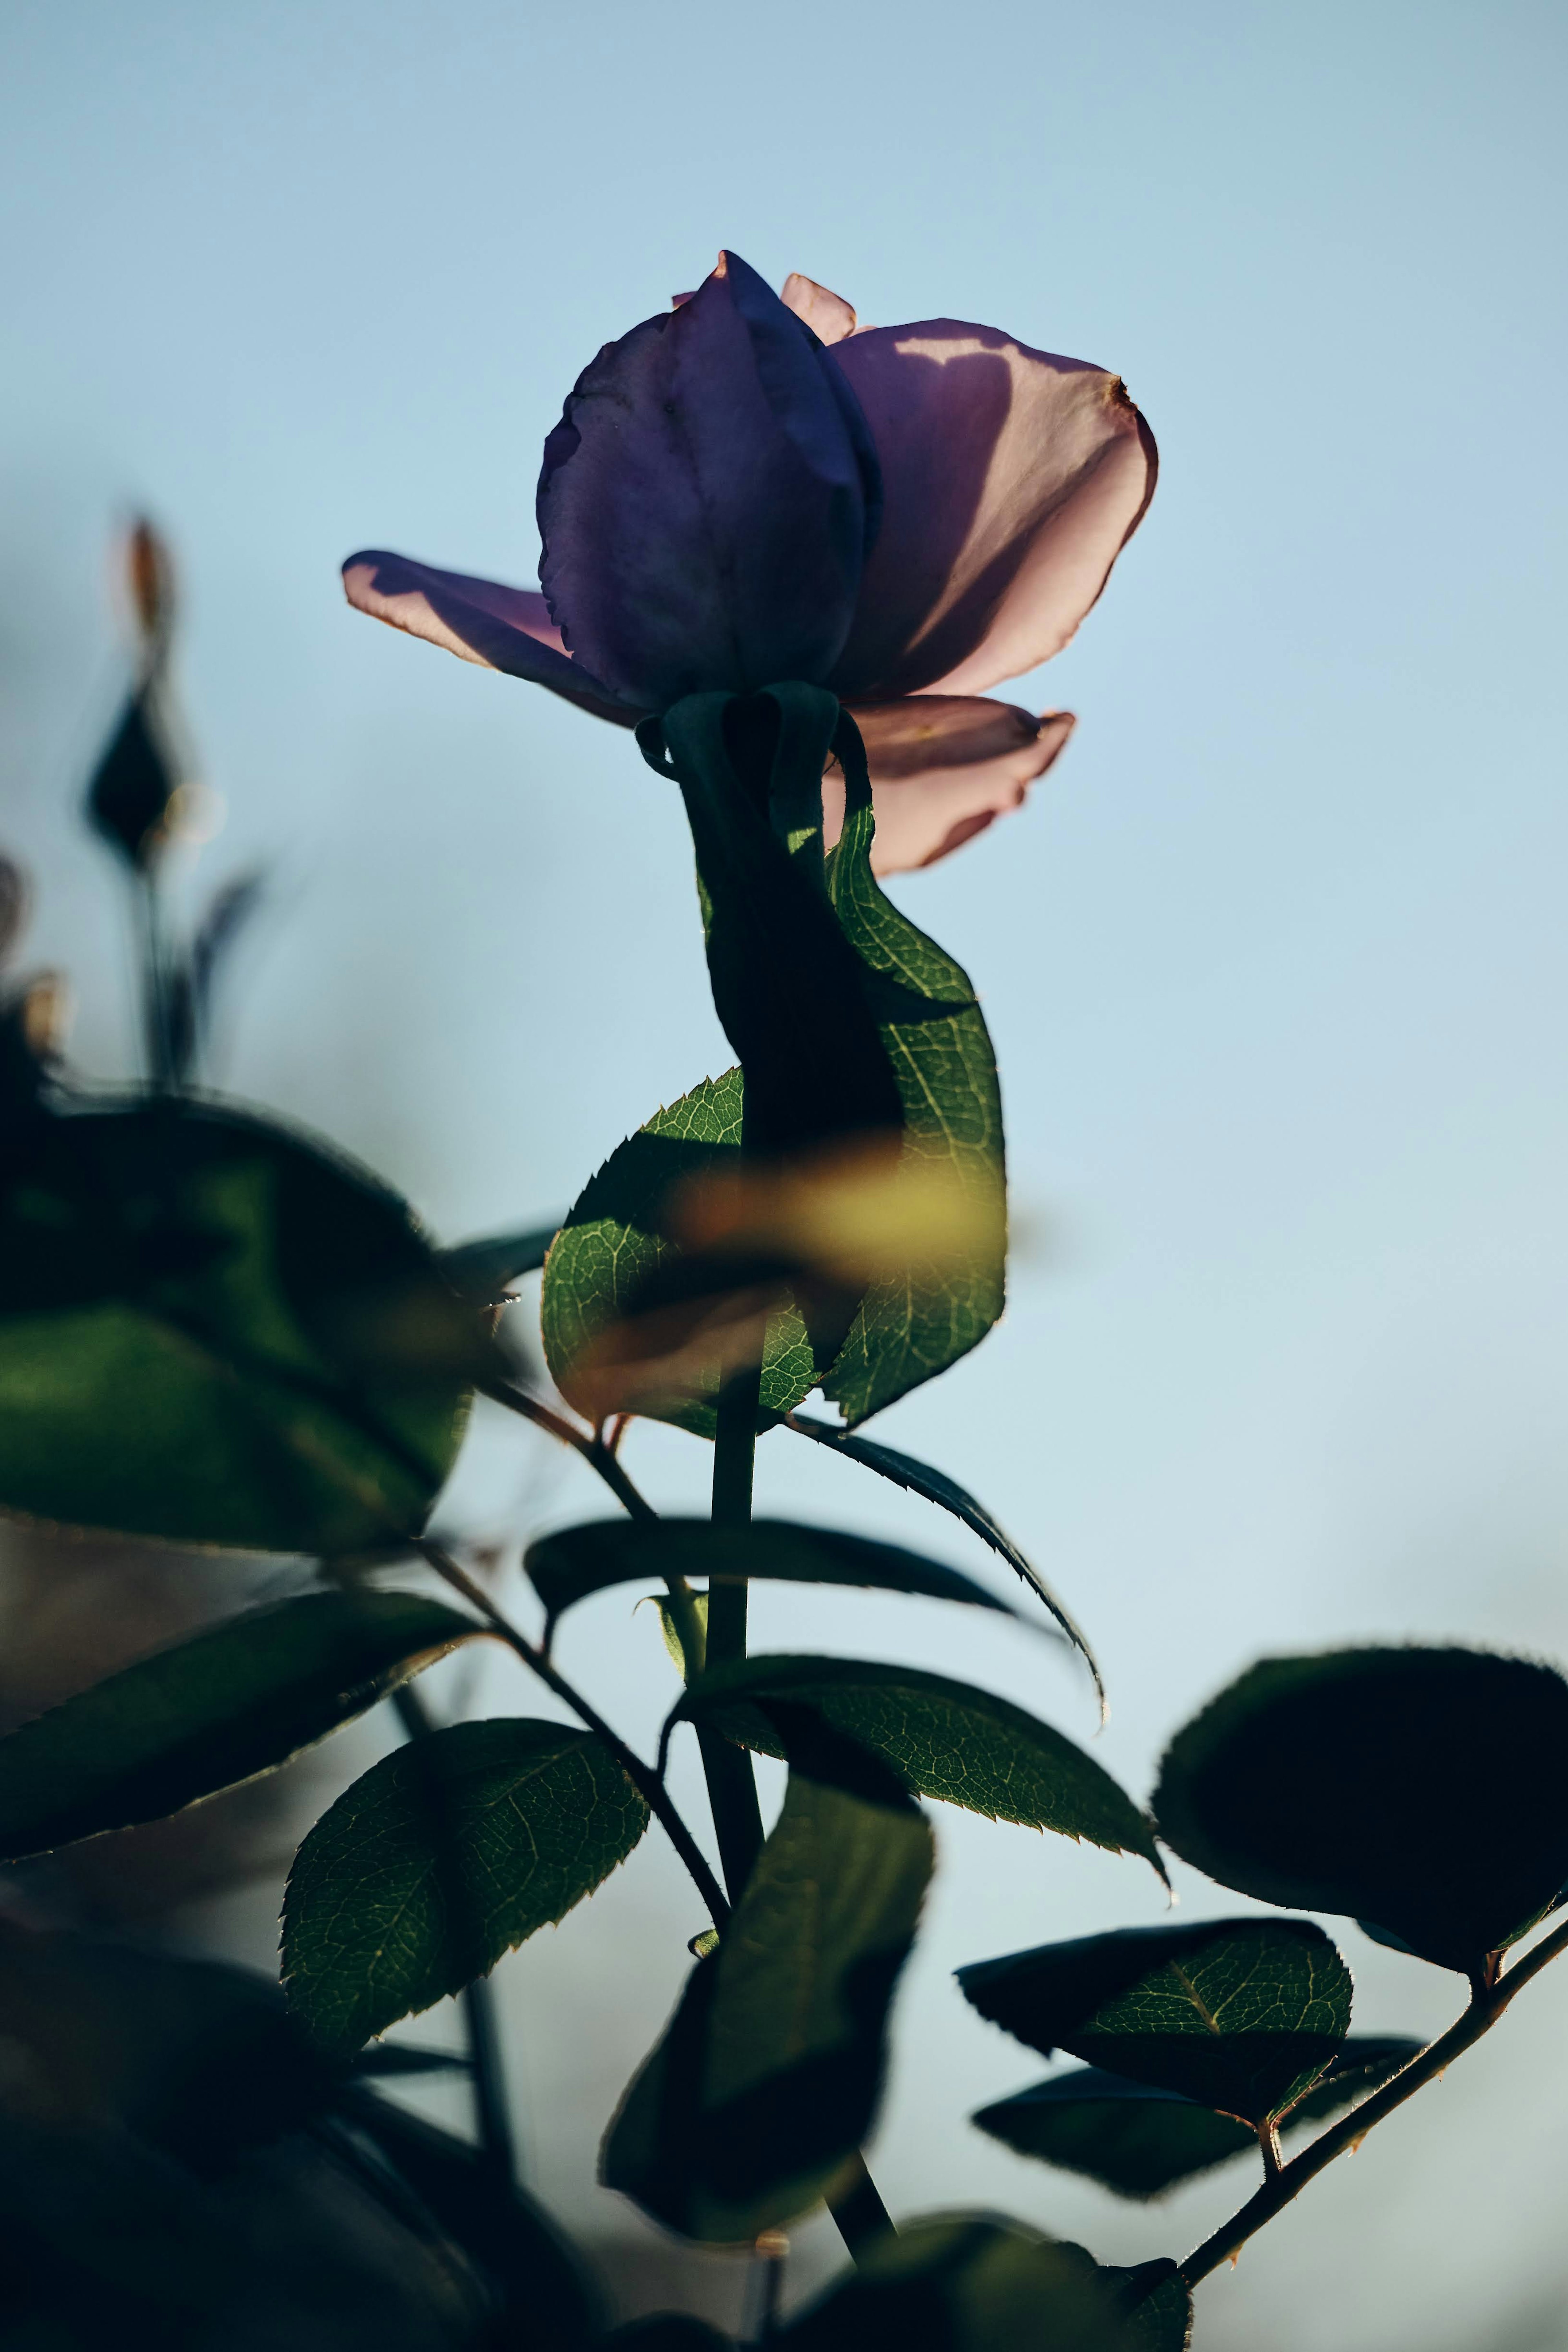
x: 943, y: 1738
x: 575, y: 1561
x: 616, y: 1240
x: 1241, y: 2014
x: 767, y: 2079
x: 935, y: 1487
x: 1420, y: 1788
x: 213, y: 1711
x: 213, y: 1331
x: 481, y: 1271
x: 967, y: 2282
x: 1140, y: 2142
x: 909, y: 1329
x: 442, y: 1857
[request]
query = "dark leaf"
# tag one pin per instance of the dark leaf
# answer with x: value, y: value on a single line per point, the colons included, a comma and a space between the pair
x: 567, y: 1567
x: 767, y: 2077
x: 481, y: 1272
x: 1157, y: 2305
x: 1421, y: 1789
x: 387, y: 2061
x: 237, y: 1700
x: 214, y: 1332
x: 666, y: 2331
x: 134, y: 783
x: 943, y: 1738
x: 1240, y: 2014
x: 1140, y: 2141
x: 967, y: 2282
x: 514, y: 2242
x: 442, y: 1857
x: 935, y: 1487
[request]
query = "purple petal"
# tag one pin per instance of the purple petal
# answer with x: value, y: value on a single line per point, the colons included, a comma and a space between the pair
x: 1012, y: 480
x: 500, y: 628
x: 942, y: 768
x: 703, y: 503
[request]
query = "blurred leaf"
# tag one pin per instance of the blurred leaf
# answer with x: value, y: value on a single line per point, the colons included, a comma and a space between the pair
x: 1240, y: 2014
x: 1140, y: 2141
x: 189, y: 986
x: 231, y: 1702
x: 767, y: 2079
x: 214, y: 1331
x: 135, y: 783
x: 386, y: 2061
x: 498, y: 2225
x: 567, y: 1565
x: 482, y: 1271
x: 912, y: 1326
x: 1422, y: 1788
x: 943, y: 1738
x: 666, y: 2331
x: 442, y: 1857
x: 967, y: 2282
x: 619, y: 1238
x: 935, y: 1487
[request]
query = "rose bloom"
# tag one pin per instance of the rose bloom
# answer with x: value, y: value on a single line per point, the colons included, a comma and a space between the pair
x: 749, y: 488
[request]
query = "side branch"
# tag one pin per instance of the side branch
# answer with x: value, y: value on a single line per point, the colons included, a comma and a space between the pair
x: 1486, y: 2005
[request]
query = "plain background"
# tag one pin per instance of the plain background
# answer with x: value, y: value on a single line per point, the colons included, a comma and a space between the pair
x: 1275, y: 962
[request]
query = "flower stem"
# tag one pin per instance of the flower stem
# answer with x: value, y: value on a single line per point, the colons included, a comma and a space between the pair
x: 731, y: 1779
x: 1486, y: 2005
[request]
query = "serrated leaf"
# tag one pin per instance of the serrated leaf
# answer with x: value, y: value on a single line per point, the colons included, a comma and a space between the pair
x: 767, y: 2079
x: 481, y: 1271
x: 214, y: 1331
x: 1420, y: 1788
x: 440, y: 1858
x: 567, y: 1565
x: 944, y: 1739
x: 1242, y: 2015
x: 909, y: 1329
x: 969, y: 2283
x: 617, y: 1239
x: 935, y: 1485
x: 1140, y: 2142
x: 219, y: 1709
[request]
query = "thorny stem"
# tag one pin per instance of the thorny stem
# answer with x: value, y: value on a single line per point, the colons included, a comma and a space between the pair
x: 1486, y: 2005
x: 592, y: 1448
x: 643, y: 1777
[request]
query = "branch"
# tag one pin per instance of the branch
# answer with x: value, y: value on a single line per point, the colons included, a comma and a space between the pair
x: 593, y: 1450
x: 1486, y: 2005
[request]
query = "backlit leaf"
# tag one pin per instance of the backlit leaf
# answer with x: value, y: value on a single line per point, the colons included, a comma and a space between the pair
x: 943, y: 1738
x: 440, y: 1858
x: 1242, y: 2015
x: 229, y: 1703
x: 567, y: 1565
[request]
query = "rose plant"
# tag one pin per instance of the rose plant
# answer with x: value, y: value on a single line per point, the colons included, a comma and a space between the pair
x: 792, y: 554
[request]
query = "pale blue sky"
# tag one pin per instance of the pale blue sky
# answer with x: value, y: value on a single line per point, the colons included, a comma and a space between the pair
x: 1275, y: 963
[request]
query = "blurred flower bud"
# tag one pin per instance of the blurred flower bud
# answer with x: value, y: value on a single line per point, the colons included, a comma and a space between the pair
x: 14, y: 898
x: 130, y: 796
x: 150, y: 573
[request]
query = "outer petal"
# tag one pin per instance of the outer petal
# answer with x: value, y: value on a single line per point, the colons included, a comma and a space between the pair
x: 501, y: 628
x: 829, y: 316
x: 942, y: 768
x: 1012, y: 480
x: 703, y: 503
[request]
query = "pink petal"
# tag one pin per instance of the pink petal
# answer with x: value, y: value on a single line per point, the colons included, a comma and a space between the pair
x: 942, y: 768
x: 481, y: 621
x: 1012, y: 480
x: 829, y: 316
